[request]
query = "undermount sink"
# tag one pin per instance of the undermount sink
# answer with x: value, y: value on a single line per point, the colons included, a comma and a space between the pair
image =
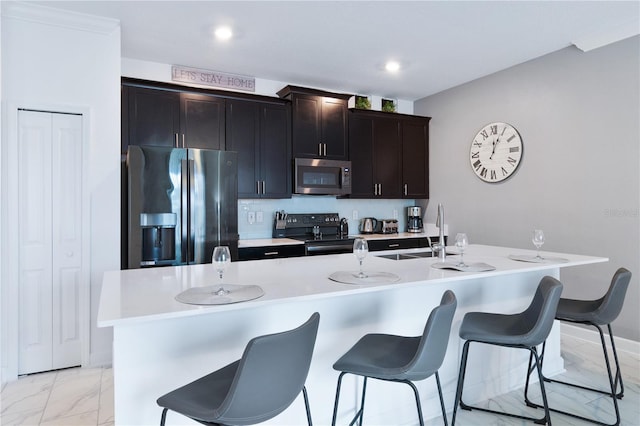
x: 405, y: 256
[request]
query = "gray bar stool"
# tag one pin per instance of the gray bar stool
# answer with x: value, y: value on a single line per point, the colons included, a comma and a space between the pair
x: 525, y: 330
x: 401, y: 359
x: 259, y: 386
x: 597, y: 313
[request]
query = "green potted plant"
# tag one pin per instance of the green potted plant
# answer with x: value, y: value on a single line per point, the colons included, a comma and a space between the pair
x: 363, y: 102
x: 388, y: 105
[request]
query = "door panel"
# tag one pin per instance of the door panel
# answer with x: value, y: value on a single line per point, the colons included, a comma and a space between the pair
x: 67, y: 243
x: 203, y: 121
x: 386, y: 142
x: 49, y: 244
x: 274, y: 152
x: 334, y: 128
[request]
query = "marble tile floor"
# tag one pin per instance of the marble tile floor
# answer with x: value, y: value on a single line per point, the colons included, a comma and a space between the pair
x: 84, y: 396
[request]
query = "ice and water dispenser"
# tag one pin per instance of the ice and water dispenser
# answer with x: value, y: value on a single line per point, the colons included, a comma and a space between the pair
x: 158, y: 238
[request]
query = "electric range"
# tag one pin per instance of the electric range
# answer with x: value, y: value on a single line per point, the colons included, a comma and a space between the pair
x: 319, y: 231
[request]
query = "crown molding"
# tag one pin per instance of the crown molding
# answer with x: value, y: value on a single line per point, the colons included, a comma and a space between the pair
x: 58, y: 17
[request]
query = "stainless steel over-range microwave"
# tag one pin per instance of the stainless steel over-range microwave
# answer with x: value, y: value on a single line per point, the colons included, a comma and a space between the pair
x: 321, y: 176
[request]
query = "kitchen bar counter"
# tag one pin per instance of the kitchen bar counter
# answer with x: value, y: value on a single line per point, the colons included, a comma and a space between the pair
x: 160, y: 344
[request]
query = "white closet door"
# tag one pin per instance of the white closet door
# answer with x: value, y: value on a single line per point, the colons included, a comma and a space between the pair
x: 49, y: 150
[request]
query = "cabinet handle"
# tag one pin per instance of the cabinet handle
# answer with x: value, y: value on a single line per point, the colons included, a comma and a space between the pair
x: 394, y: 245
x: 379, y: 189
x: 264, y: 188
x: 258, y: 187
x: 175, y: 143
x: 320, y: 149
x: 325, y: 149
x: 270, y: 253
x: 183, y: 145
x: 405, y: 189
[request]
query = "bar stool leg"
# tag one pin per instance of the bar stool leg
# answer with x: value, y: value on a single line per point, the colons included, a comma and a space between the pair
x: 612, y: 383
x: 461, y: 374
x: 533, y: 355
x: 306, y: 405
x: 358, y: 416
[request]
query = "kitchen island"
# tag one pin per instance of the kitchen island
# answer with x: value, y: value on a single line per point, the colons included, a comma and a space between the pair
x: 160, y: 344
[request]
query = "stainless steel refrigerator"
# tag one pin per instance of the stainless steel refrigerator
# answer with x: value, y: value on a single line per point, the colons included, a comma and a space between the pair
x: 182, y: 203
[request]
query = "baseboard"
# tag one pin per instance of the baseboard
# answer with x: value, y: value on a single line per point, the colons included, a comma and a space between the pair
x: 591, y: 335
x: 100, y: 359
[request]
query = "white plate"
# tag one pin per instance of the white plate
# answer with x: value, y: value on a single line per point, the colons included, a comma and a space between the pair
x: 471, y: 267
x: 351, y: 277
x: 210, y: 295
x: 534, y: 259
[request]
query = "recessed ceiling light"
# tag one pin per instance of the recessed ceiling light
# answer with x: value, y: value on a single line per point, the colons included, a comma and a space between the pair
x: 392, y: 66
x: 223, y: 33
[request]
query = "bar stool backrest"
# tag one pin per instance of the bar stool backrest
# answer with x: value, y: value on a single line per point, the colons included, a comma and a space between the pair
x: 541, y: 312
x: 611, y: 303
x: 434, y: 341
x: 271, y: 374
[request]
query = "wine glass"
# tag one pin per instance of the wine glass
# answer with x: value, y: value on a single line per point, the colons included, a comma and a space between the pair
x: 538, y: 241
x: 221, y: 259
x: 360, y: 249
x: 461, y: 243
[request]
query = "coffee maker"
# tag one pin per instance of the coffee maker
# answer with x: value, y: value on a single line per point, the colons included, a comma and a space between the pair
x: 414, y: 219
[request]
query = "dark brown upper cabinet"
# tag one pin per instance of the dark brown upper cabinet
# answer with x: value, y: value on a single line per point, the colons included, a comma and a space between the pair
x: 170, y: 118
x: 389, y: 155
x: 261, y: 134
x: 319, y: 123
x: 202, y: 121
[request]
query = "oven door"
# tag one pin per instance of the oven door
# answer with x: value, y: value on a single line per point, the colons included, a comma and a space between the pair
x: 322, y: 177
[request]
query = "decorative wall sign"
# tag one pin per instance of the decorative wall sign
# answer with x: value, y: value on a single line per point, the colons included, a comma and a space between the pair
x: 212, y: 78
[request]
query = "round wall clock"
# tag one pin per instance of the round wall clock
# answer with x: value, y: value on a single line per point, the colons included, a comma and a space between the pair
x: 496, y: 152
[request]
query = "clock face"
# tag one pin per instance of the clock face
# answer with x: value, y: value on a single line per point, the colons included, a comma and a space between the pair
x: 495, y: 152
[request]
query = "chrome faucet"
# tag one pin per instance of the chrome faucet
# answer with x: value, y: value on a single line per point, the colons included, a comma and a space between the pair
x: 440, y: 246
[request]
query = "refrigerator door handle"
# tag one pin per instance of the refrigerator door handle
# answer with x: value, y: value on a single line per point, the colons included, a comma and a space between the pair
x: 192, y: 210
x: 184, y: 176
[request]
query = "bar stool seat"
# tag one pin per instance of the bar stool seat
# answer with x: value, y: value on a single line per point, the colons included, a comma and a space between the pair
x: 596, y: 313
x: 257, y: 387
x: 524, y: 330
x: 401, y: 359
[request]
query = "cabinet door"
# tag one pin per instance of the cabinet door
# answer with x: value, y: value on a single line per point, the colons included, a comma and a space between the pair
x: 387, y: 160
x: 202, y: 123
x: 334, y: 129
x: 153, y: 117
x: 307, y: 112
x: 243, y: 137
x: 275, y: 154
x: 415, y: 159
x: 361, y: 144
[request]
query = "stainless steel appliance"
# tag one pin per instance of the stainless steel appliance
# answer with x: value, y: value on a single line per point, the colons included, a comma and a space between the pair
x: 322, y: 177
x: 368, y: 225
x: 387, y: 226
x: 344, y: 227
x: 319, y: 231
x: 414, y: 219
x: 182, y: 203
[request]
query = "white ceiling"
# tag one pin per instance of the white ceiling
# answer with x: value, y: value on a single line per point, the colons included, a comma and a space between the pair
x: 343, y: 45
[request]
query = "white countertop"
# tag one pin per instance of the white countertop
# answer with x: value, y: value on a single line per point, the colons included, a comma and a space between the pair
x: 148, y: 294
x: 268, y: 242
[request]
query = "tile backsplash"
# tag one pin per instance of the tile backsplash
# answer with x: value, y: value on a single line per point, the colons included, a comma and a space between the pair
x: 255, y: 216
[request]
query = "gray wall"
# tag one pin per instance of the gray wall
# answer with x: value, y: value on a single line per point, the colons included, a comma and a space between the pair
x: 578, y: 114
